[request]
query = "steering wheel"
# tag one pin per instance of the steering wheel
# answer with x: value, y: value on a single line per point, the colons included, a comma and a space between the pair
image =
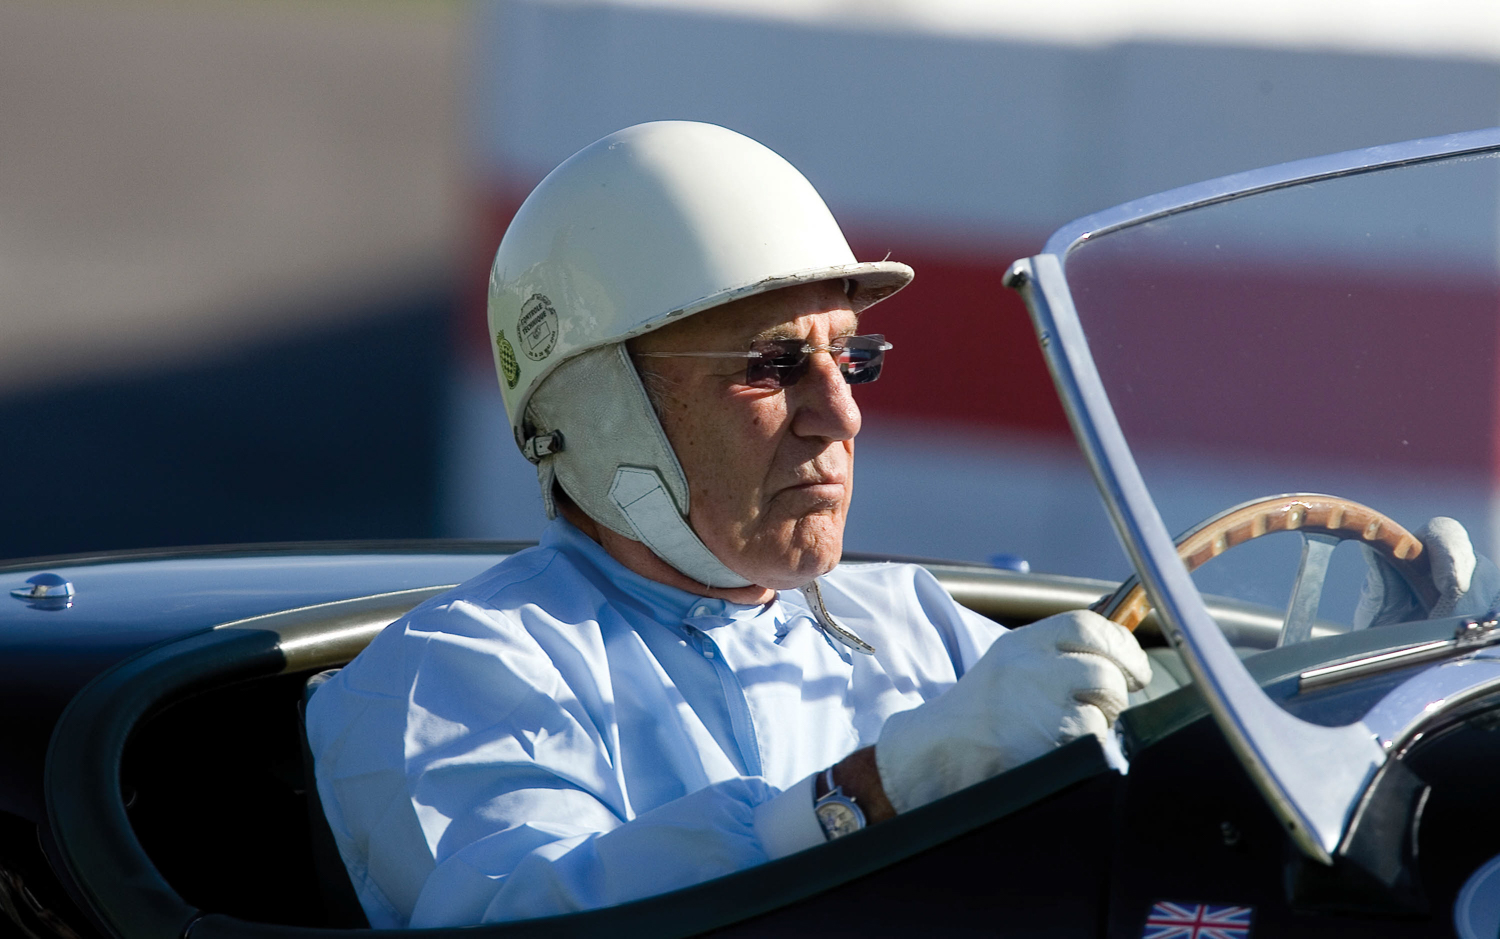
x: 1323, y: 522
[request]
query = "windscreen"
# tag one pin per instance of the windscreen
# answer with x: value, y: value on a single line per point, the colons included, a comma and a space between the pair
x: 1337, y: 337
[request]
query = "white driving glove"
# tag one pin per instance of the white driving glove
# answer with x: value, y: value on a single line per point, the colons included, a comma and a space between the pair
x: 1037, y: 688
x: 1467, y: 583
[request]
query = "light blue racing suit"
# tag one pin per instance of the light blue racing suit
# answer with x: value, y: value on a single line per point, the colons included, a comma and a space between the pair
x: 560, y: 733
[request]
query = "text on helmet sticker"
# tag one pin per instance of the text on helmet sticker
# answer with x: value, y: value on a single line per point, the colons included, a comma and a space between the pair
x: 538, y: 327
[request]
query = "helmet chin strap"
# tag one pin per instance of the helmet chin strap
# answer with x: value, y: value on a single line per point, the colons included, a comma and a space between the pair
x: 642, y: 498
x: 813, y: 594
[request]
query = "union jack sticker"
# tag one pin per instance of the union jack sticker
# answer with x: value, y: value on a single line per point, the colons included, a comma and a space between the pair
x: 1197, y: 921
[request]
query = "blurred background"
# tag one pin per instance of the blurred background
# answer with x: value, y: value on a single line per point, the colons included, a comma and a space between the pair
x: 243, y: 245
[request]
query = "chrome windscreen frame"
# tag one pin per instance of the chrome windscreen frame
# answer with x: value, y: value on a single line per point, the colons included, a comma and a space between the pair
x: 1311, y: 776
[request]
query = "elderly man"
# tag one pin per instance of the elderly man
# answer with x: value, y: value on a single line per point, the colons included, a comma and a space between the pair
x: 680, y: 681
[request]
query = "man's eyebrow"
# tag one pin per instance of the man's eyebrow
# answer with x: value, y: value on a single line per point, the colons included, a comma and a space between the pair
x: 786, y: 331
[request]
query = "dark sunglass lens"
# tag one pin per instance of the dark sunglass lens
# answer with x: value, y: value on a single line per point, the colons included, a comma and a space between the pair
x: 781, y: 364
x: 862, y: 359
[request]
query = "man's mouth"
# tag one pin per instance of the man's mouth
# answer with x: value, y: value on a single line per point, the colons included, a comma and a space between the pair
x: 829, y: 489
x: 816, y: 480
x: 822, y: 481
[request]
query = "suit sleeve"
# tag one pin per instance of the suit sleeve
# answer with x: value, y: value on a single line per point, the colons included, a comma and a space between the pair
x: 512, y: 771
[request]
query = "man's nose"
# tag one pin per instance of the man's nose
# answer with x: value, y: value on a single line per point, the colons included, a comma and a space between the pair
x: 823, y: 403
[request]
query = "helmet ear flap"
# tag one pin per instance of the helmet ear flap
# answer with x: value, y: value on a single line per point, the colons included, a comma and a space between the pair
x: 546, y: 478
x: 618, y: 466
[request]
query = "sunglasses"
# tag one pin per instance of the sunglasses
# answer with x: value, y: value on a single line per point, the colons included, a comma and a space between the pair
x: 781, y: 363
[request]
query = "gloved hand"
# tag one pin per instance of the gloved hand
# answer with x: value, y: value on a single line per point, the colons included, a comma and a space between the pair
x: 1036, y: 688
x: 1467, y: 583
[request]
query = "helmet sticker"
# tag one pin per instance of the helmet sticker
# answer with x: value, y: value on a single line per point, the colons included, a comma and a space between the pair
x: 538, y: 327
x: 507, y: 353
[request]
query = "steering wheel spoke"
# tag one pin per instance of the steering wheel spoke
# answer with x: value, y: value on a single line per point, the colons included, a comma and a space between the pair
x: 1307, y: 589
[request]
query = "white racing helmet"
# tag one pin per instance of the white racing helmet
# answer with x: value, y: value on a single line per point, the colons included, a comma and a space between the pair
x: 638, y: 230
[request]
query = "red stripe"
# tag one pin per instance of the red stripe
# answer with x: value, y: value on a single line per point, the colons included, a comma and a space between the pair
x: 965, y: 351
x: 964, y: 348
x: 1372, y: 367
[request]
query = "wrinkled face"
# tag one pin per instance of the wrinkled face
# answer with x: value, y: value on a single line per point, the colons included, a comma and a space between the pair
x: 770, y: 471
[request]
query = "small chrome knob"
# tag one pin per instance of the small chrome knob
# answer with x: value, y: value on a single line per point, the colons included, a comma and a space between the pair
x: 46, y: 591
x: 1477, y: 631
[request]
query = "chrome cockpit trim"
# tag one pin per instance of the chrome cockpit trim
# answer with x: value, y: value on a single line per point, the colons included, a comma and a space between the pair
x: 1417, y: 702
x: 328, y: 634
x: 1324, y: 675
x: 1471, y: 634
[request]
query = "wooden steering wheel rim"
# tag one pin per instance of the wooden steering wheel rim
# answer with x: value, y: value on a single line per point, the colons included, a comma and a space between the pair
x: 1310, y: 512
